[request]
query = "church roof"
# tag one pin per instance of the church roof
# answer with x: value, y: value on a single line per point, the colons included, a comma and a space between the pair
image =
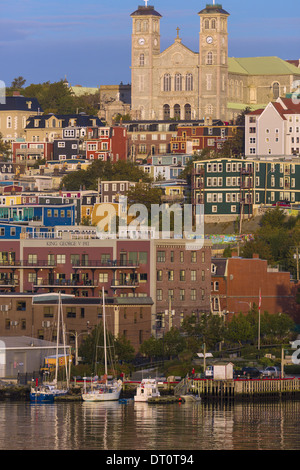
x: 145, y: 11
x: 261, y: 66
x: 212, y: 9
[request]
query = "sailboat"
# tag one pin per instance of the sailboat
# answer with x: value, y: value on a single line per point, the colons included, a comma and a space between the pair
x: 46, y: 392
x: 103, y: 390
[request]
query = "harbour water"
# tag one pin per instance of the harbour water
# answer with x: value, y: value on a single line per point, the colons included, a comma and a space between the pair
x: 137, y: 427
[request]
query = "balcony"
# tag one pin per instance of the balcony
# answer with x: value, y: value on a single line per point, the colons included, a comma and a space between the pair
x: 27, y: 264
x: 122, y: 283
x: 98, y: 264
x: 65, y: 283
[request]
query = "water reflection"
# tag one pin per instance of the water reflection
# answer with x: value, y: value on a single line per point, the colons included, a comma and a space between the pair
x: 139, y: 426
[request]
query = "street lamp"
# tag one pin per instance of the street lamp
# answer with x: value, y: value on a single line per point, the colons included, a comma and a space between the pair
x: 76, y: 336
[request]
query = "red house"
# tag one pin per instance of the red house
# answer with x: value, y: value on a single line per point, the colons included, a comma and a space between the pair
x: 30, y: 152
x: 109, y: 143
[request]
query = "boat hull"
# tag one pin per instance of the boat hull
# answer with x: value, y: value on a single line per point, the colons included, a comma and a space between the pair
x: 98, y: 397
x: 41, y: 397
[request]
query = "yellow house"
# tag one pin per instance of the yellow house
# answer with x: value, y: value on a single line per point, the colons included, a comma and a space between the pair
x: 102, y: 212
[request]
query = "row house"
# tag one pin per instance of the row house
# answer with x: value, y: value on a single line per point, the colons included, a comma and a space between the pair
x: 108, y: 143
x: 28, y: 153
x: 167, y: 167
x: 194, y: 138
x: 232, y: 293
x: 146, y: 138
x: 48, y: 127
x: 112, y: 191
x: 275, y: 130
x: 236, y: 187
x: 7, y: 171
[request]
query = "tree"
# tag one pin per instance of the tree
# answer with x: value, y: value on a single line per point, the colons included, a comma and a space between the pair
x: 203, y: 328
x: 143, y: 193
x: 104, y: 171
x: 18, y: 83
x: 152, y: 348
x: 5, y: 149
x: 93, y: 352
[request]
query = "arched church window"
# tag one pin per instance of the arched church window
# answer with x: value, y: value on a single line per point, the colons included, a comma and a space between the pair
x: 142, y: 60
x: 213, y: 24
x: 178, y: 82
x: 166, y: 111
x: 167, y: 82
x: 276, y: 90
x: 206, y: 24
x: 187, y: 112
x: 189, y: 82
x: 177, y: 111
x: 209, y: 58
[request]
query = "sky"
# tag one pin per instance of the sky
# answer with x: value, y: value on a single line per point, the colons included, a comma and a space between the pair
x: 89, y: 41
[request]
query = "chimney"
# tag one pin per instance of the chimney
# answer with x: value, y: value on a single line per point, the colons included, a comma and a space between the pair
x: 16, y: 93
x: 255, y: 255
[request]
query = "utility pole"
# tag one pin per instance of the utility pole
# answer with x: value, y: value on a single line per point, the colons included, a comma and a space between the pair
x: 259, y: 307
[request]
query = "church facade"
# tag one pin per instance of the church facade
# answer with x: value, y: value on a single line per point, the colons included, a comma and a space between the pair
x: 181, y: 84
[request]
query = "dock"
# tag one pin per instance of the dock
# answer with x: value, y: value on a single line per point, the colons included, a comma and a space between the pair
x: 240, y: 389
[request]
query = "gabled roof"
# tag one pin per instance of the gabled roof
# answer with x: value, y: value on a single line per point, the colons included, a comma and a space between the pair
x: 21, y: 103
x: 261, y: 66
x: 82, y: 120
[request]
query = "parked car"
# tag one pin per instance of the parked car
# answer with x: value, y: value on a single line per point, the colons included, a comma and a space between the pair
x: 247, y: 373
x: 271, y: 371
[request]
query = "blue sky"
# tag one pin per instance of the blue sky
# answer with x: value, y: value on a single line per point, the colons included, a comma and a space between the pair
x: 89, y: 42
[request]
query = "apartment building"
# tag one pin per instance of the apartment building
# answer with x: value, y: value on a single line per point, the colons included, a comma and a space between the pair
x: 273, y: 131
x: 232, y: 293
x: 229, y: 188
x: 142, y: 279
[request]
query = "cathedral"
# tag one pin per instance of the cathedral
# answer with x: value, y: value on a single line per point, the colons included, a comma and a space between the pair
x: 182, y: 84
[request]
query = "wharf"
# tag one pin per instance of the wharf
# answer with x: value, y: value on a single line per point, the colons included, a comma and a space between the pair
x: 240, y: 389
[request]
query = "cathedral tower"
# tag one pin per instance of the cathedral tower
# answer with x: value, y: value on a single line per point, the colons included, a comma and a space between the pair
x: 145, y: 45
x: 213, y: 62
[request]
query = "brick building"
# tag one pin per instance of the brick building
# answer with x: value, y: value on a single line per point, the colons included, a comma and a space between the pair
x: 236, y: 284
x: 139, y: 278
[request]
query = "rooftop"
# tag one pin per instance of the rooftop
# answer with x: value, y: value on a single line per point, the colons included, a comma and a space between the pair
x: 145, y: 11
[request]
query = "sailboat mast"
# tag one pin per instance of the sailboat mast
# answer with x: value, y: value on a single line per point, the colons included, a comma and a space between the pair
x: 57, y: 337
x: 104, y: 333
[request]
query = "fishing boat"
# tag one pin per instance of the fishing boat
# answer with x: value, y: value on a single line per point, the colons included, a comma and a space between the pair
x: 103, y: 390
x: 148, y: 388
